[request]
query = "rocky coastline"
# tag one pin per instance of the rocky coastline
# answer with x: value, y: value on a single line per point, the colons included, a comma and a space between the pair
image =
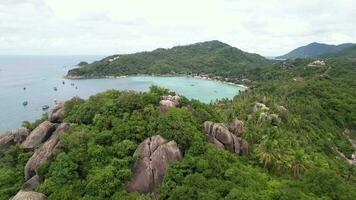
x: 43, y: 141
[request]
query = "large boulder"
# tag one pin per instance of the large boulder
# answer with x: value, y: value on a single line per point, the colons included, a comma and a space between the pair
x: 57, y: 113
x: 237, y: 127
x: 168, y: 102
x: 164, y: 105
x: 219, y: 135
x: 153, y: 157
x: 39, y: 135
x: 243, y: 147
x: 175, y: 99
x: 31, y: 183
x: 26, y: 195
x: 45, y: 152
x: 13, y: 137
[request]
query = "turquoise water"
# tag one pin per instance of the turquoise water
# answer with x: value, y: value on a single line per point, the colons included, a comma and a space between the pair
x: 193, y: 88
x: 40, y: 74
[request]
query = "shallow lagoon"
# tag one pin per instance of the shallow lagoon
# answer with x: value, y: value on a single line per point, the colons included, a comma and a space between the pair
x: 40, y: 74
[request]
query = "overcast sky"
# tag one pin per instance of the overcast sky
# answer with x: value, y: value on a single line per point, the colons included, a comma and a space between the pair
x: 267, y: 27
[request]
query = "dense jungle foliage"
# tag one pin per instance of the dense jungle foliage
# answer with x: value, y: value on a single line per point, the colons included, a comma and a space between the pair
x: 298, y: 159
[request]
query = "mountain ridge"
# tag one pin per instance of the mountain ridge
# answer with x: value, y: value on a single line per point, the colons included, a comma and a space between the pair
x: 314, y: 49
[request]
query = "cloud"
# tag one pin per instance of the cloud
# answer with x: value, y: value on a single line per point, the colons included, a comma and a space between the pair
x: 270, y: 27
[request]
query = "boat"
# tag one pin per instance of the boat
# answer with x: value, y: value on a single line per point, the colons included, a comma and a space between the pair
x: 24, y: 88
x: 55, y: 88
x: 24, y: 103
x: 45, y: 107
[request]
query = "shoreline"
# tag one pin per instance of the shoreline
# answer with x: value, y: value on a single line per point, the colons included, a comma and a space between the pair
x: 156, y: 75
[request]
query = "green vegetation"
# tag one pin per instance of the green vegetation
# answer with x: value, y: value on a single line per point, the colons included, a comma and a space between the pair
x: 297, y: 159
x: 214, y: 57
x: 11, y: 171
x: 83, y: 63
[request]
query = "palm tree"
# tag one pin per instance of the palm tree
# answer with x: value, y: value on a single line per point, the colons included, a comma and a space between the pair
x: 265, y: 153
x: 298, y: 163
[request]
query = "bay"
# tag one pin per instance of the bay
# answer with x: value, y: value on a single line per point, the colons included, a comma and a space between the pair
x: 39, y: 81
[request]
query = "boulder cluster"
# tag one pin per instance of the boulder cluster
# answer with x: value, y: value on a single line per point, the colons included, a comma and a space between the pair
x: 227, y: 136
x: 168, y: 102
x: 43, y: 140
x: 265, y: 114
x: 153, y: 157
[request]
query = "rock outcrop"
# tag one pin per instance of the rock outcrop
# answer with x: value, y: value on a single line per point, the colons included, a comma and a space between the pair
x: 13, y: 137
x: 153, y: 157
x: 39, y: 135
x: 266, y: 114
x: 164, y: 105
x: 31, y: 183
x: 25, y: 195
x: 44, y: 152
x: 168, y: 102
x: 237, y: 127
x: 174, y: 99
x: 57, y: 113
x: 219, y: 135
x: 271, y: 118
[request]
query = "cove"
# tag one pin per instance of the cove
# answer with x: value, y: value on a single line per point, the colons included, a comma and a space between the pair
x: 39, y: 81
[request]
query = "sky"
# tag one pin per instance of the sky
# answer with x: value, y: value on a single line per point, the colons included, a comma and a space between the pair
x: 105, y: 27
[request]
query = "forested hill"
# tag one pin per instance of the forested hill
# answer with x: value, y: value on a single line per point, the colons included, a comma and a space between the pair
x: 212, y: 57
x: 315, y: 49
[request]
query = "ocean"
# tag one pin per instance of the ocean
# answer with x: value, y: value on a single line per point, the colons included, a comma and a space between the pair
x: 39, y: 81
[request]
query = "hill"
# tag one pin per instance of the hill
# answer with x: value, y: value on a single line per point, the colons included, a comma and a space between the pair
x: 314, y: 49
x: 212, y: 57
